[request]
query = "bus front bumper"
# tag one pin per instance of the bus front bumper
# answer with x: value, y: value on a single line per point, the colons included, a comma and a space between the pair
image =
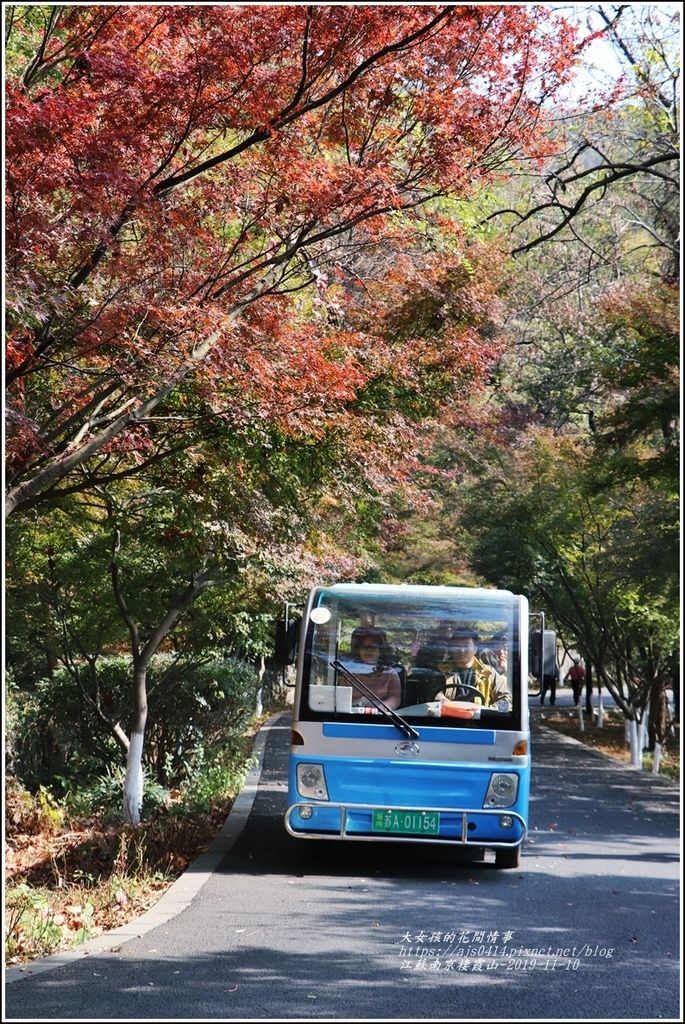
x: 456, y: 826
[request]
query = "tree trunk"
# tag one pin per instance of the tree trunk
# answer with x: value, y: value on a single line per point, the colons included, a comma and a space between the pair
x: 642, y: 729
x: 133, y: 783
x: 50, y: 643
x: 588, y: 686
x: 635, y: 745
x: 656, y: 765
x: 659, y: 717
x: 676, y: 683
x: 259, y: 707
x: 142, y: 653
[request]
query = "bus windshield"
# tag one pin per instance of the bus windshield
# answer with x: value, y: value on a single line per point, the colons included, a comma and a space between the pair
x: 444, y: 656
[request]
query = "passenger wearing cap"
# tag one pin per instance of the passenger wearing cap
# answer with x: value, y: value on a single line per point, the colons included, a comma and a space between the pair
x: 472, y: 681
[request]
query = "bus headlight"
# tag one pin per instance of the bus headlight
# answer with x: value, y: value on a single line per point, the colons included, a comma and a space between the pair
x: 311, y: 781
x: 502, y: 790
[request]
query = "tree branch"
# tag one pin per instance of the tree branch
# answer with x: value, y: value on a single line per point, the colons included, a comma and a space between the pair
x: 571, y: 211
x: 287, y: 115
x: 116, y: 587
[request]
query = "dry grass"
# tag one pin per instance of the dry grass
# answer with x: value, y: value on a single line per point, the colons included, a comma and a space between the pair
x: 66, y: 885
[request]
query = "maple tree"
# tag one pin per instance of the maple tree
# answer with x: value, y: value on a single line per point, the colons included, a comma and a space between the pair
x: 177, y: 175
x: 118, y: 568
x: 259, y: 509
x: 211, y: 211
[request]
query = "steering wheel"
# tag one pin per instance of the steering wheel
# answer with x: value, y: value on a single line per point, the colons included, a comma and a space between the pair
x: 467, y: 686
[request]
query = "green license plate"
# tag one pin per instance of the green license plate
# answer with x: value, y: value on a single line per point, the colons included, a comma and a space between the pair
x: 424, y: 823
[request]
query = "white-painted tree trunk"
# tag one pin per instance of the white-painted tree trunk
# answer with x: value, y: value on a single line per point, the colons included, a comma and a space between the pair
x: 581, y: 720
x: 626, y: 727
x: 656, y: 765
x: 600, y: 713
x: 259, y: 705
x: 142, y: 653
x: 133, y: 784
x: 635, y: 745
x: 643, y: 728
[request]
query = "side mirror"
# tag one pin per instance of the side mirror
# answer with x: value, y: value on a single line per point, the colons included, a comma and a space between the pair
x: 549, y: 653
x: 535, y: 653
x: 285, y: 650
x: 543, y: 653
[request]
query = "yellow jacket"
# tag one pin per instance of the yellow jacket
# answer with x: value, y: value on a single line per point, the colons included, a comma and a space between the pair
x: 491, y: 685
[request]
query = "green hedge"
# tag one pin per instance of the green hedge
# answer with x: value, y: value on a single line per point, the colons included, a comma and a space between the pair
x: 195, y: 708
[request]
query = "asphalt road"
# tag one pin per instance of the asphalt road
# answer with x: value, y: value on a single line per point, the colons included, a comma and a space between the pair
x: 288, y: 929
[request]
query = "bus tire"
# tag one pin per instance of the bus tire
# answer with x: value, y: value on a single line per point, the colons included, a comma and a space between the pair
x: 510, y: 858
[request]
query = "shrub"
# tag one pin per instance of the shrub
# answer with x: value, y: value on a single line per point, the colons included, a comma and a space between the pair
x: 211, y: 780
x: 31, y: 814
x: 30, y: 925
x: 194, y: 708
x: 104, y: 796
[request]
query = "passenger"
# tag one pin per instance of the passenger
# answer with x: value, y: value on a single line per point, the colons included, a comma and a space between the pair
x: 432, y: 651
x: 494, y: 653
x: 473, y: 681
x: 431, y: 655
x: 370, y: 657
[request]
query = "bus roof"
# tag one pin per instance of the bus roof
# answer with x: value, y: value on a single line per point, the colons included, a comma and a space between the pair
x: 418, y: 590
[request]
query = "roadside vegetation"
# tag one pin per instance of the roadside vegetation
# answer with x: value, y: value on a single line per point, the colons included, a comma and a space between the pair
x: 73, y: 871
x: 610, y: 738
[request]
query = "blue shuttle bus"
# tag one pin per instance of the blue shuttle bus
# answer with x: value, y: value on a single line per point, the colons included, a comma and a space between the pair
x: 411, y: 718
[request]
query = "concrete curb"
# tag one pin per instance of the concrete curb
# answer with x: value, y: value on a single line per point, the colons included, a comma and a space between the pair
x: 183, y: 890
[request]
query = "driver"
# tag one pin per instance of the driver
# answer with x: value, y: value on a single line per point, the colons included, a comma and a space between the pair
x: 472, y: 681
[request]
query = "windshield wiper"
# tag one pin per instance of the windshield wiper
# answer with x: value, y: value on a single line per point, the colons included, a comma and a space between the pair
x: 404, y: 727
